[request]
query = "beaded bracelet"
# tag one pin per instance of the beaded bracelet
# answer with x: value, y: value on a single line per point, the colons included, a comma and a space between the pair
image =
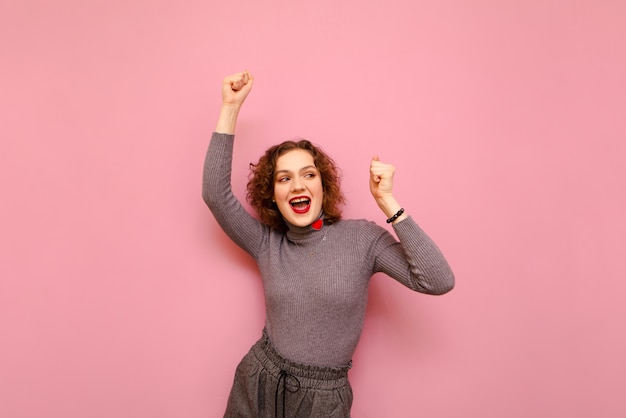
x: 396, y: 216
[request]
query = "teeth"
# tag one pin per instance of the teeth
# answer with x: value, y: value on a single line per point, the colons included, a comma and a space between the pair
x: 302, y: 200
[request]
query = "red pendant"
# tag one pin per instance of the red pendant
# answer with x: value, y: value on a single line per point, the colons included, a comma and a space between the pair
x: 317, y: 225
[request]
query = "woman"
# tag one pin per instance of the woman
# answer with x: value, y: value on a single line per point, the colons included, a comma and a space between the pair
x: 315, y: 267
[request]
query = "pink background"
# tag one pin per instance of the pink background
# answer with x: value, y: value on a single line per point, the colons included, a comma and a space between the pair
x: 120, y: 296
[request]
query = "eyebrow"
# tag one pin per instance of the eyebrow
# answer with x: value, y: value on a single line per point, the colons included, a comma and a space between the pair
x: 308, y: 167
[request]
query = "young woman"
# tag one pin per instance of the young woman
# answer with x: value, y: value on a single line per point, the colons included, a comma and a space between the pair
x: 315, y: 267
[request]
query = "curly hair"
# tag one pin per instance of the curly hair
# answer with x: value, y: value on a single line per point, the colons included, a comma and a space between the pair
x: 260, y: 188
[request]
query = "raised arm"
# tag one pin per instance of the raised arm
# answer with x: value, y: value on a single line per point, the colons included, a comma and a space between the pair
x: 415, y: 261
x: 238, y: 224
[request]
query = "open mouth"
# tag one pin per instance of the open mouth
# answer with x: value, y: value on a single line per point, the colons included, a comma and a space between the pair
x: 300, y: 204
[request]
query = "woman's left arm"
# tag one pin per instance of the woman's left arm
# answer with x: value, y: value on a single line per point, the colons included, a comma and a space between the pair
x: 415, y: 261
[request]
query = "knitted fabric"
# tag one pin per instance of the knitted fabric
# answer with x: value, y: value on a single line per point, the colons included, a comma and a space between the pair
x: 315, y: 281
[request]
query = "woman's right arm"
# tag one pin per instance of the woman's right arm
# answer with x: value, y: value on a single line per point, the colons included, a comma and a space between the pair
x: 236, y: 222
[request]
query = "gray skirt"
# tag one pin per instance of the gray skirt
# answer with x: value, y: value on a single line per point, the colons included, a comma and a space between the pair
x: 267, y: 385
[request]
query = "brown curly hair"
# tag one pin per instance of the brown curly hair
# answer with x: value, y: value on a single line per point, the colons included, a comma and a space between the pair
x: 261, y: 183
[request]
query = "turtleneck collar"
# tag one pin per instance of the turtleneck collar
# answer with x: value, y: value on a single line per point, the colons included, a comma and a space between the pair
x: 297, y: 233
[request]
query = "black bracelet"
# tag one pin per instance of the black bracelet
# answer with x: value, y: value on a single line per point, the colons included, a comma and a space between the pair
x: 396, y: 216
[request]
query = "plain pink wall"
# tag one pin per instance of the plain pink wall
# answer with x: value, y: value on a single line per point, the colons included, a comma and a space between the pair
x: 120, y: 296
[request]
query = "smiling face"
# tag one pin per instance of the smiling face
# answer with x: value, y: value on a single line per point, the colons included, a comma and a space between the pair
x: 298, y: 188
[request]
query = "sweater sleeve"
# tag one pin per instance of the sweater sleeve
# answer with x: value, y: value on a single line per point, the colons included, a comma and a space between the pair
x: 415, y: 261
x: 246, y: 231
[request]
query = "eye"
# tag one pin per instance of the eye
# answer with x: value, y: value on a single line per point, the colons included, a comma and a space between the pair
x: 282, y: 179
x: 309, y: 175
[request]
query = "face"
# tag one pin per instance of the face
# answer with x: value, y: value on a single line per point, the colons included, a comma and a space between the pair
x: 298, y: 187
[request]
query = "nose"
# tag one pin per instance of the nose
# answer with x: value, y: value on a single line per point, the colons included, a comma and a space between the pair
x: 297, y: 184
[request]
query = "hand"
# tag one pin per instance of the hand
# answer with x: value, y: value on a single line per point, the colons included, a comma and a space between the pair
x: 381, y: 179
x: 235, y: 88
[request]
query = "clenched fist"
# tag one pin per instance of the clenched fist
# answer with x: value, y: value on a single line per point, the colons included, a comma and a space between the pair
x: 381, y: 178
x: 235, y: 88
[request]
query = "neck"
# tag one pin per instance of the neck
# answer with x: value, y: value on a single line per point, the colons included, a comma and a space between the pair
x: 299, y: 232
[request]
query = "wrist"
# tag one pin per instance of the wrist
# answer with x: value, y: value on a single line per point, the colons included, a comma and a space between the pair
x: 231, y: 106
x: 389, y: 205
x: 227, y: 120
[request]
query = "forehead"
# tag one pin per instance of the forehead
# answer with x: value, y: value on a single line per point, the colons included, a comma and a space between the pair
x: 294, y: 160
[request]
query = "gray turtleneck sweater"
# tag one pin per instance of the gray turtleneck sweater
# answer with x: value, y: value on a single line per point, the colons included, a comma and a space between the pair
x: 316, y: 281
